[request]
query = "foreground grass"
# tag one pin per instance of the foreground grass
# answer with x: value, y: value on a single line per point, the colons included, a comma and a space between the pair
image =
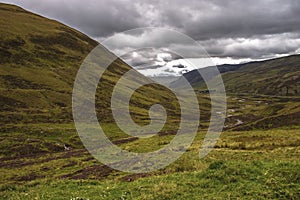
x: 246, y: 164
x: 221, y: 179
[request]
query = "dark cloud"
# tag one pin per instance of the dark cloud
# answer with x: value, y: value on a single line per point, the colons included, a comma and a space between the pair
x: 97, y: 18
x: 237, y: 18
x: 254, y: 47
x: 202, y: 19
x: 236, y: 28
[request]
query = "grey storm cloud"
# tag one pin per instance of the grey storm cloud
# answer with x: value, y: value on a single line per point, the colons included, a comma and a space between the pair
x: 236, y: 28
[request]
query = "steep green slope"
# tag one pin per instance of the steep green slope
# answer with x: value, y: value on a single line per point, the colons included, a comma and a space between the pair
x: 39, y: 60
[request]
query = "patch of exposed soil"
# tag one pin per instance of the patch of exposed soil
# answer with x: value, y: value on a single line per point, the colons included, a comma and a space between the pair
x: 126, y: 140
x: 97, y: 172
x: 167, y: 133
x: 19, y: 162
x: 133, y: 177
x: 29, y: 177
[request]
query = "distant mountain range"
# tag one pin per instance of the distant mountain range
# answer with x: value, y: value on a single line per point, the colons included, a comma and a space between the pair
x: 280, y: 76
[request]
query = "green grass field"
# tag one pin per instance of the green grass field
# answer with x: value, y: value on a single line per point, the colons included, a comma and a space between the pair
x: 248, y: 164
x: 261, y: 163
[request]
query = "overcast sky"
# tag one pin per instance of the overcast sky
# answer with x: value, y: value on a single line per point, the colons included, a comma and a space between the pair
x: 230, y: 31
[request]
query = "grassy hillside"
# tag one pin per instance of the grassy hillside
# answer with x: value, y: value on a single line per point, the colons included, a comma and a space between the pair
x: 39, y: 61
x: 38, y: 65
x: 277, y: 79
x: 280, y: 76
x: 261, y: 95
